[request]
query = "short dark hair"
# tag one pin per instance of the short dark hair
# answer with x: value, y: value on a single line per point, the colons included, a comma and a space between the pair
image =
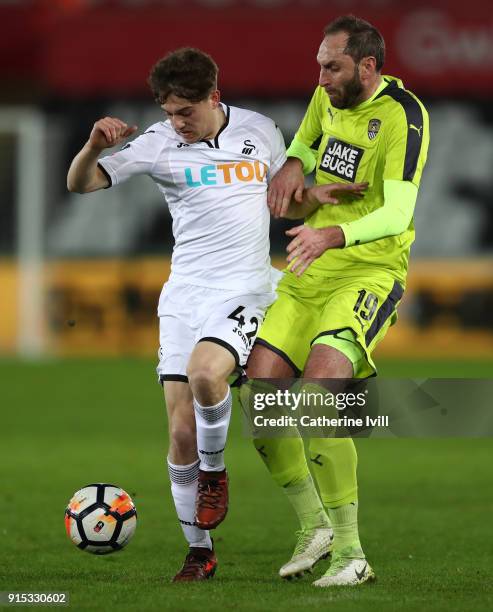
x: 364, y: 40
x: 187, y: 73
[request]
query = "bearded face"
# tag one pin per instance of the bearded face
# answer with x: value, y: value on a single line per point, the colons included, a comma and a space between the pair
x: 347, y: 94
x: 339, y: 74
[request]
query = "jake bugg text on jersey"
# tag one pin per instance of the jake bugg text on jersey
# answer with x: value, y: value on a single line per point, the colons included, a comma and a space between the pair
x: 341, y: 159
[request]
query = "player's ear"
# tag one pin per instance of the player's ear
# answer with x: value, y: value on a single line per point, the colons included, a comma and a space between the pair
x: 367, y: 66
x: 215, y: 98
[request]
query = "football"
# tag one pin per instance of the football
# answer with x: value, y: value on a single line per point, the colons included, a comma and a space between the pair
x: 100, y: 518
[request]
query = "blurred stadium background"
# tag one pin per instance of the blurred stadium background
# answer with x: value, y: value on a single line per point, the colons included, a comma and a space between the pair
x: 80, y: 275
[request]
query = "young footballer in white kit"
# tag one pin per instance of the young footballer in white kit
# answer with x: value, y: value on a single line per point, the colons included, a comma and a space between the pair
x: 212, y: 163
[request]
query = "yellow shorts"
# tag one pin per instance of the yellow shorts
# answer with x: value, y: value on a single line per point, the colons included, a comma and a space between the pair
x: 351, y: 314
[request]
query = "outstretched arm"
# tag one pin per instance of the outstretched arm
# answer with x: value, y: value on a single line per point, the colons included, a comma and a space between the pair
x: 84, y: 175
x: 391, y: 219
x: 316, y: 196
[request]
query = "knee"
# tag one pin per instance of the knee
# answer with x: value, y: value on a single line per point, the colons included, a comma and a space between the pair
x: 205, y: 379
x: 183, y: 436
x: 330, y: 446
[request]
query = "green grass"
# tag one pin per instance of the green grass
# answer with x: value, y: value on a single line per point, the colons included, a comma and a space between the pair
x: 425, y: 504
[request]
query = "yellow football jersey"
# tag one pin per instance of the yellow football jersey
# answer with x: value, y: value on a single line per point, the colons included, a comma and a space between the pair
x: 385, y: 137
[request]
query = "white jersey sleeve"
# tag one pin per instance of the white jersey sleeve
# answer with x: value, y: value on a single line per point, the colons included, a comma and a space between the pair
x: 278, y: 154
x: 134, y: 158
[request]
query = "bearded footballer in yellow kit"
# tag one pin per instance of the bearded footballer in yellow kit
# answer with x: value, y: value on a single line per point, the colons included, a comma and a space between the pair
x: 346, y: 275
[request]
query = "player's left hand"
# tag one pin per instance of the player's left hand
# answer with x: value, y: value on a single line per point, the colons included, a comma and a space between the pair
x: 309, y: 243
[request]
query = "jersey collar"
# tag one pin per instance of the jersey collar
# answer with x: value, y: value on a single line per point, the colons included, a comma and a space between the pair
x: 214, y: 144
x: 376, y: 93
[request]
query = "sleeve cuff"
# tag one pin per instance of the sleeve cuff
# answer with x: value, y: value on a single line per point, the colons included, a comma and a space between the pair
x: 304, y: 154
x: 106, y: 172
x: 348, y: 238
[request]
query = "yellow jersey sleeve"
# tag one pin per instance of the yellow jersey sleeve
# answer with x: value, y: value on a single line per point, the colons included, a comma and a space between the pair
x: 309, y: 132
x: 406, y: 140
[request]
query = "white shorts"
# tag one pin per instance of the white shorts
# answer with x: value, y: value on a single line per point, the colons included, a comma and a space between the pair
x: 189, y: 314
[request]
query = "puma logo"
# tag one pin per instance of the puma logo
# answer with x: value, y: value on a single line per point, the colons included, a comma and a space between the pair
x: 413, y: 127
x: 331, y: 115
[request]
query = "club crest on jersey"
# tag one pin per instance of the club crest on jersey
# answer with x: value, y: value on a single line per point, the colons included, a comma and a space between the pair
x: 373, y: 127
x: 249, y: 147
x: 341, y: 159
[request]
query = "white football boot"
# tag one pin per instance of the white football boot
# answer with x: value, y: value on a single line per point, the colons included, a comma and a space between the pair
x: 348, y: 568
x: 312, y: 545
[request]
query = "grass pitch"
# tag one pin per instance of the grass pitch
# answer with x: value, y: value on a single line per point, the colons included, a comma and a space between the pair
x: 425, y: 505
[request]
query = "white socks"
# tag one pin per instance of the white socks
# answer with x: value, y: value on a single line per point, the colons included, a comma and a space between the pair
x: 212, y: 429
x: 184, y: 479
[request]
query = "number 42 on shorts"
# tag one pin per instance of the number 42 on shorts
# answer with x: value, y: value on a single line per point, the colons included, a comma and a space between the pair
x: 240, y: 320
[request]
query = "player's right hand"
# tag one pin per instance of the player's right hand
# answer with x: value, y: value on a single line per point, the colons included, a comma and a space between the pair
x: 287, y: 184
x: 109, y: 132
x: 330, y: 193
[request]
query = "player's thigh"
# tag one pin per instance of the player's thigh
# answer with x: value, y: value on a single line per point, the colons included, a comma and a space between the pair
x: 292, y: 321
x: 181, y: 423
x: 210, y: 361
x: 266, y: 363
x: 179, y: 401
x: 327, y: 361
x: 356, y: 317
x: 179, y: 407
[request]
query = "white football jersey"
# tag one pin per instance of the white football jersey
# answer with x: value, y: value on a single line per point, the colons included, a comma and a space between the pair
x: 216, y: 191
